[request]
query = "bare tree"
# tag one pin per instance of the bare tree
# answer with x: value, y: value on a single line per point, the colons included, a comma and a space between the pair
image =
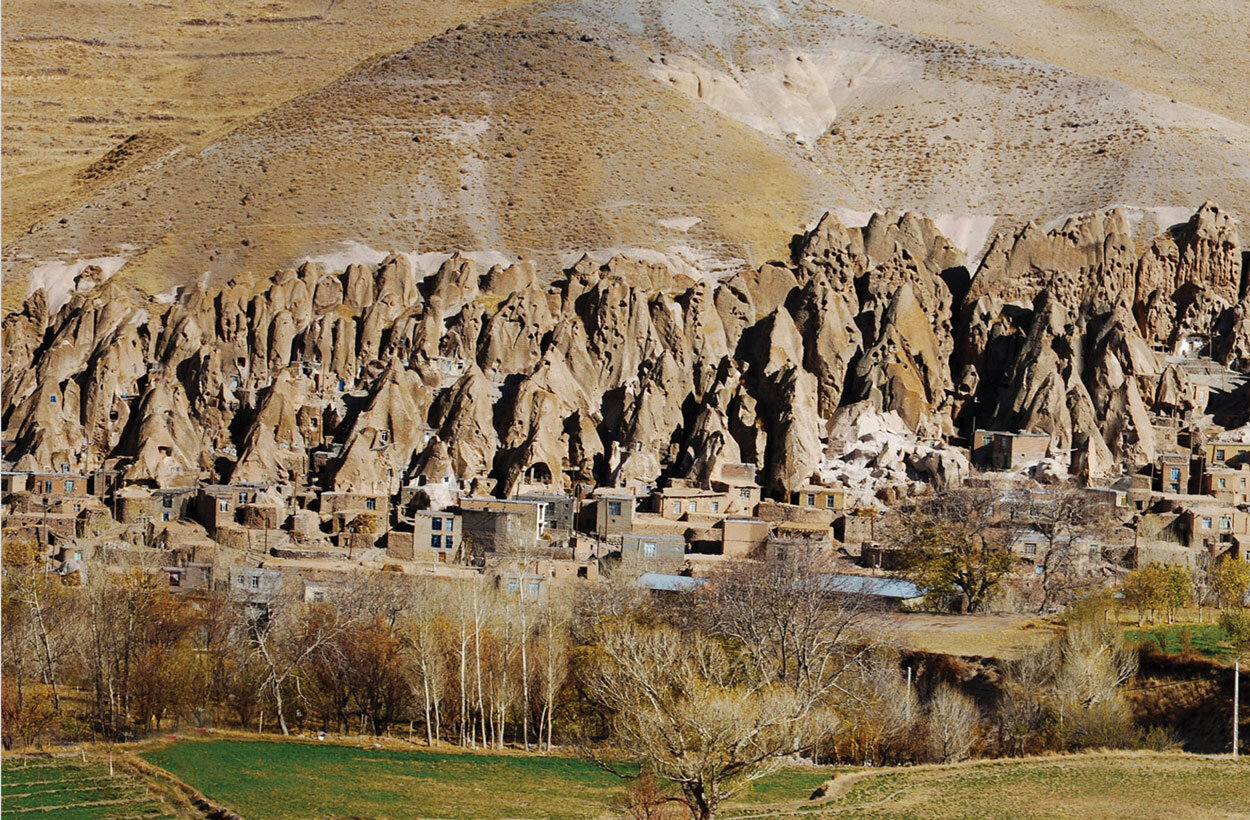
x: 1062, y: 517
x: 952, y: 724
x: 787, y: 617
x: 285, y: 634
x: 699, y: 717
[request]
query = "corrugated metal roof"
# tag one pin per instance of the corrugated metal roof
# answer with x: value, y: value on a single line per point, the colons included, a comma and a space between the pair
x: 659, y: 582
x: 876, y: 587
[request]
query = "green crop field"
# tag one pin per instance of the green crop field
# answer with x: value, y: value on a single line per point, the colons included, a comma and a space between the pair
x: 68, y: 789
x: 1205, y: 639
x: 291, y: 781
x: 272, y: 780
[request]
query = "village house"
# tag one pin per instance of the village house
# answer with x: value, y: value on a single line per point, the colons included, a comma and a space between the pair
x: 1227, y: 450
x: 501, y: 525
x: 1212, y: 524
x: 789, y: 538
x: 653, y: 550
x: 814, y: 497
x: 743, y: 537
x: 435, y: 538
x: 998, y: 450
x: 1173, y: 474
x: 614, y: 513
x: 218, y: 504
x: 680, y: 500
x: 1227, y: 484
x: 559, y: 511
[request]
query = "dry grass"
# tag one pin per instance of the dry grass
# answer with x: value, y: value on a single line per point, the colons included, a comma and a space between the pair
x: 999, y: 636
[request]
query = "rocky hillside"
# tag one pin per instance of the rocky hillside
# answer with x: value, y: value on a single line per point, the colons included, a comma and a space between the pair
x: 625, y: 372
x: 704, y: 132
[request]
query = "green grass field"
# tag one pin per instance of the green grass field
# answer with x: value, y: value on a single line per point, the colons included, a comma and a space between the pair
x: 68, y: 789
x: 265, y: 780
x: 1205, y: 639
x: 293, y: 781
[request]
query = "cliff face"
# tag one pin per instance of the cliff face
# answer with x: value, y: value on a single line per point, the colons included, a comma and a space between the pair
x: 627, y: 372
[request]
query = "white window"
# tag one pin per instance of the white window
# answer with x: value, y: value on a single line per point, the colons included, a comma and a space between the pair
x: 69, y: 485
x: 614, y: 508
x: 371, y: 504
x: 715, y: 506
x: 1206, y: 523
x: 255, y: 582
x: 676, y: 508
x: 745, y: 493
x: 242, y: 498
x: 533, y: 588
x: 811, y: 499
x: 450, y: 523
x: 829, y: 501
x: 513, y: 586
x: 648, y: 549
x: 694, y: 506
x: 224, y: 505
x: 1226, y: 522
x: 1030, y: 549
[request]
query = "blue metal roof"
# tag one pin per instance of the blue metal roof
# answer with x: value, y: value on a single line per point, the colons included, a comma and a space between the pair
x: 876, y: 587
x: 659, y: 582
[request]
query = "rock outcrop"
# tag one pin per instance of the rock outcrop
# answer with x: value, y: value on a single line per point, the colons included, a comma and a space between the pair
x: 854, y: 362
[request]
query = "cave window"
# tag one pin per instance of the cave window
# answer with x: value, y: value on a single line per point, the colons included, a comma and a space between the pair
x: 52, y: 399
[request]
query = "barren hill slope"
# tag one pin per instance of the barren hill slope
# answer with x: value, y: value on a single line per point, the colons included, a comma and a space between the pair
x: 702, y: 131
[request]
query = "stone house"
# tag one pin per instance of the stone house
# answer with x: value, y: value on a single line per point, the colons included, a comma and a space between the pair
x: 653, y: 550
x: 501, y: 525
x: 1227, y: 484
x: 1173, y: 474
x: 614, y: 513
x: 743, y: 537
x: 999, y: 450
x: 815, y: 497
x: 559, y: 510
x: 435, y: 538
